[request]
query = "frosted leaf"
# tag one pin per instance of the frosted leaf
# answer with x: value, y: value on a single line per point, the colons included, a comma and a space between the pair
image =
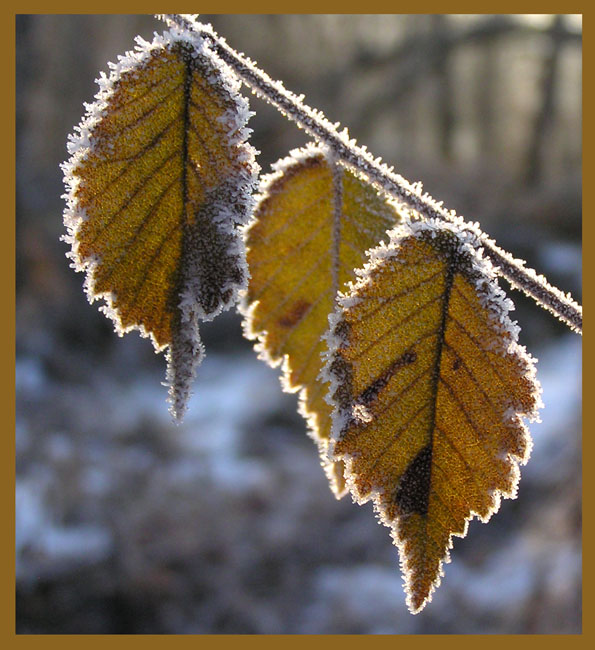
x: 429, y: 388
x: 159, y: 182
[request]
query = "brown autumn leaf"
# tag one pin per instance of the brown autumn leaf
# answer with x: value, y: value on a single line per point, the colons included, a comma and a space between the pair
x: 430, y: 387
x: 311, y: 228
x: 159, y: 180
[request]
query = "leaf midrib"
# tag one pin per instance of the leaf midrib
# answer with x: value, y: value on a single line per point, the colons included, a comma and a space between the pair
x: 440, y: 341
x: 185, y: 127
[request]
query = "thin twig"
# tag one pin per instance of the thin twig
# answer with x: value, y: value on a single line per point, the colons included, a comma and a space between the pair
x: 358, y: 158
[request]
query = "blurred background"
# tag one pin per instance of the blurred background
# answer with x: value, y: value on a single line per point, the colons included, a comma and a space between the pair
x: 128, y: 524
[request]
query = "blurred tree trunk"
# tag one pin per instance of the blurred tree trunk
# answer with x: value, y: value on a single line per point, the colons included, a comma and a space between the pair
x: 486, y: 93
x: 546, y: 111
x: 444, y: 82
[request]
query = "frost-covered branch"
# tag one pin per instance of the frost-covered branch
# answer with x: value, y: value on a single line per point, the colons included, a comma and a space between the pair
x: 358, y: 158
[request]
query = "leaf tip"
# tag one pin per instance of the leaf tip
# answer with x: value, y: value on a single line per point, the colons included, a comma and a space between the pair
x: 184, y: 355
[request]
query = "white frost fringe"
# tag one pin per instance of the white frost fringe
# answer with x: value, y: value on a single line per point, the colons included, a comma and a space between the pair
x: 80, y: 145
x: 498, y: 306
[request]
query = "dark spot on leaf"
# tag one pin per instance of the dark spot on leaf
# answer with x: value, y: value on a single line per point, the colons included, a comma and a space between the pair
x: 342, y: 330
x: 407, y: 358
x: 227, y: 295
x: 342, y: 371
x: 413, y: 493
x: 370, y: 393
x: 456, y: 364
x: 295, y: 314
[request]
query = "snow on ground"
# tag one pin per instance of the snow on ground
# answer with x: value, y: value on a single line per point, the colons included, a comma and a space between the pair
x: 225, y: 523
x: 555, y: 439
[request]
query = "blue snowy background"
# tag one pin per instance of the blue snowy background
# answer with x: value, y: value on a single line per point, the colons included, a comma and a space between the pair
x: 128, y: 524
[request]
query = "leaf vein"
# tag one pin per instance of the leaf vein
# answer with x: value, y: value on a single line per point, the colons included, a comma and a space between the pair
x: 146, y: 269
x: 289, y: 295
x: 396, y: 327
x: 473, y: 378
x: 461, y: 406
x: 136, y: 191
x: 131, y: 159
x: 304, y: 365
x: 147, y: 218
x: 290, y: 254
x: 291, y: 218
x: 148, y: 112
x: 470, y: 471
x: 392, y: 298
x: 503, y: 382
x: 402, y: 429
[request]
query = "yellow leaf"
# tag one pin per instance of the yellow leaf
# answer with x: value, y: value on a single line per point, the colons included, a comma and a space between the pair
x: 430, y: 386
x: 159, y: 181
x: 311, y: 227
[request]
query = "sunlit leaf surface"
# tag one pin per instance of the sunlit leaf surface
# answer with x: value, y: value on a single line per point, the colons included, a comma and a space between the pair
x: 429, y: 385
x: 159, y: 180
x: 311, y: 228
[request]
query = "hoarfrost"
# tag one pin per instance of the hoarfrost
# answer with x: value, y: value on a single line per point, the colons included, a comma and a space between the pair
x: 229, y: 206
x: 463, y: 247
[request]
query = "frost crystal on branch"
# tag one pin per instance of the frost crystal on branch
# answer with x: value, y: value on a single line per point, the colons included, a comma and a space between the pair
x: 385, y: 178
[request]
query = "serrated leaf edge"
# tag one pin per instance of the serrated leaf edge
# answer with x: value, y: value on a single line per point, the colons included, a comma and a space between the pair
x: 80, y: 146
x: 498, y: 306
x: 279, y: 168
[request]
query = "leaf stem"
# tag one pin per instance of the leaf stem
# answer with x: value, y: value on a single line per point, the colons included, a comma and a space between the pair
x: 337, y: 172
x: 359, y: 159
